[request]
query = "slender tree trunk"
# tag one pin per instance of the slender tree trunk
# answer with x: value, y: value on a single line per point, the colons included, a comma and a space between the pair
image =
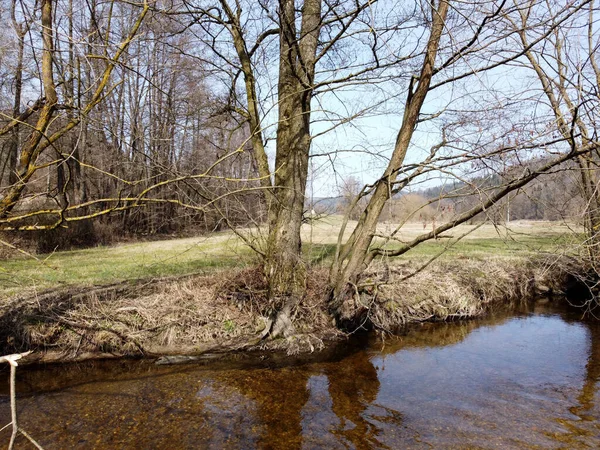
x: 13, y: 145
x: 74, y: 162
x: 352, y: 258
x: 592, y: 209
x: 589, y: 172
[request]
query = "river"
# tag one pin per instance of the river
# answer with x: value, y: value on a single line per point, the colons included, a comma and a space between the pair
x: 526, y: 379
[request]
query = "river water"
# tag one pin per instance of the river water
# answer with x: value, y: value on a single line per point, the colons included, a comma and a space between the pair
x: 529, y: 379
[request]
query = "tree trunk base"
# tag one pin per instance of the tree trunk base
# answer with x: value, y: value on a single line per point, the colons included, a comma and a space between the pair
x: 348, y: 311
x: 280, y: 324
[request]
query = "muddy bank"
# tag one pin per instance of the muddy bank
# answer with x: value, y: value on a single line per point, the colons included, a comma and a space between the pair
x: 223, y: 313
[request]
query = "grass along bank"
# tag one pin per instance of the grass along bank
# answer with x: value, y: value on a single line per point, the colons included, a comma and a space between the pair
x: 228, y: 311
x: 222, y: 310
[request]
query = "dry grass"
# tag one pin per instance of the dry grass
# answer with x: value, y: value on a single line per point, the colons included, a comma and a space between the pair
x: 450, y: 291
x: 191, y: 315
x: 325, y: 231
x: 181, y: 316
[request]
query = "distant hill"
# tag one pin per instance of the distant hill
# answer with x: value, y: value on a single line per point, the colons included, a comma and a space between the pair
x: 325, y: 205
x: 553, y: 196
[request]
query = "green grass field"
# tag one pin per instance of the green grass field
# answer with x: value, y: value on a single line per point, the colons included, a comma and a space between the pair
x: 105, y: 265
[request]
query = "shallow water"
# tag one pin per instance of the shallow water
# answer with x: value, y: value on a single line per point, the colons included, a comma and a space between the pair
x: 523, y: 380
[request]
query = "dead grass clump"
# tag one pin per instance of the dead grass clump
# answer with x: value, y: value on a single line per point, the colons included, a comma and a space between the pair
x: 578, y: 279
x: 448, y: 291
x: 299, y: 343
x: 247, y: 289
x: 311, y: 315
x: 186, y: 315
x: 181, y: 314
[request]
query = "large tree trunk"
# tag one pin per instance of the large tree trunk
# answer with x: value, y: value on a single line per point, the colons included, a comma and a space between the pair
x: 285, y: 189
x: 284, y: 267
x: 353, y: 257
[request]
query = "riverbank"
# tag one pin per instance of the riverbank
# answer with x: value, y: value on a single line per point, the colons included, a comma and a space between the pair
x: 212, y: 314
x: 201, y: 295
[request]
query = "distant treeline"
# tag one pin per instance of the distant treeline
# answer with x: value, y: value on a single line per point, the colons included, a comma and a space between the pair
x: 160, y: 134
x: 556, y: 196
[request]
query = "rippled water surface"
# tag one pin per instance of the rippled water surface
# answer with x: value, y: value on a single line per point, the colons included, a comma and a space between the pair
x: 527, y: 380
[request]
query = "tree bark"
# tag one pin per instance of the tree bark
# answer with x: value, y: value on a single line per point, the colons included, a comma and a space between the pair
x: 284, y: 267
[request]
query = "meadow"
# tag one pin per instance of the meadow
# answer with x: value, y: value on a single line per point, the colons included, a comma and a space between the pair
x: 206, y: 254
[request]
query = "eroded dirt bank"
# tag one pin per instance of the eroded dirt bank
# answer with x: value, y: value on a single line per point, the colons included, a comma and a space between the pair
x: 228, y: 312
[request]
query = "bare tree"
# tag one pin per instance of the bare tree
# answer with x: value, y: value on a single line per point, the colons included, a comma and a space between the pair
x: 300, y: 47
x: 40, y: 139
x: 569, y: 75
x: 354, y: 256
x: 350, y: 190
x: 297, y: 61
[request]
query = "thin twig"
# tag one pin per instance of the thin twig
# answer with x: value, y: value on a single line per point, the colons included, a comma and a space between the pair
x: 12, y: 360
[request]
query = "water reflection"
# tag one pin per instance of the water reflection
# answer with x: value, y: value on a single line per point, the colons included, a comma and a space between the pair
x: 592, y: 371
x: 586, y: 421
x: 353, y: 387
x: 521, y: 381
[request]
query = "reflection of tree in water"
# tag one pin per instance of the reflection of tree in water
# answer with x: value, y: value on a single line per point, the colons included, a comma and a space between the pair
x: 439, y: 334
x: 353, y: 386
x: 592, y: 373
x: 585, y: 426
x: 281, y: 395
